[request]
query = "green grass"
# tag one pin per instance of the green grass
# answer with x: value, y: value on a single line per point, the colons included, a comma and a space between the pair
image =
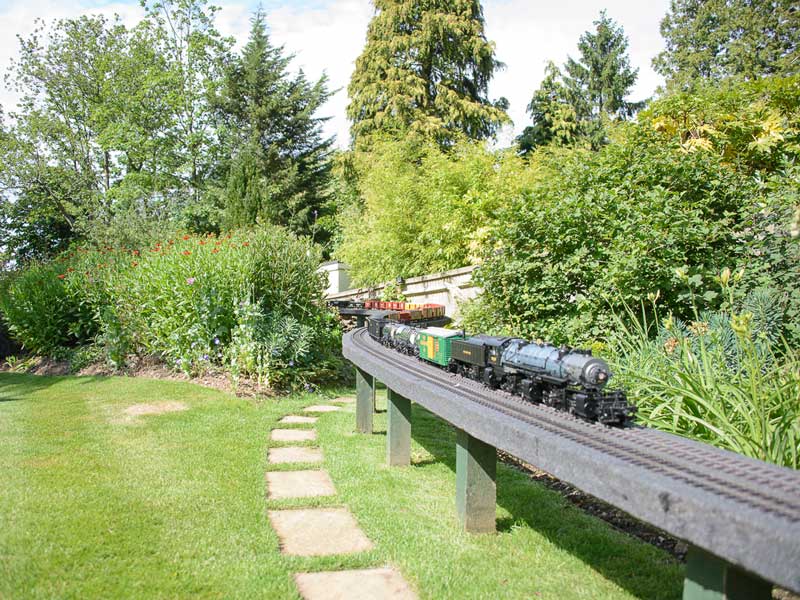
x: 174, y: 505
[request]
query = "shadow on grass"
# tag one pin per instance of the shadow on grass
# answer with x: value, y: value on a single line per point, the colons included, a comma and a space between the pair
x: 15, y: 386
x: 546, y: 512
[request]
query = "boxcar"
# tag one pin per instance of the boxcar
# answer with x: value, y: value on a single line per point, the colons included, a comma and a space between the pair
x: 435, y: 344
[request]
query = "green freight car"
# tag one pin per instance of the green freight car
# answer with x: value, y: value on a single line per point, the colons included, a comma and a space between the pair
x: 434, y: 344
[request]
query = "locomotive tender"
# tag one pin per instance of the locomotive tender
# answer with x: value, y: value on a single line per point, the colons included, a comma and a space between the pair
x: 567, y: 379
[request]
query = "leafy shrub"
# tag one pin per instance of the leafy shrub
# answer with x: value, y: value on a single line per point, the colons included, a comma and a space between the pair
x: 701, y: 181
x: 424, y: 210
x: 44, y: 310
x: 726, y: 378
x: 197, y: 302
x: 603, y: 229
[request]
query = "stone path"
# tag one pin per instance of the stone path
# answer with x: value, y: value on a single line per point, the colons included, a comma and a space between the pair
x: 295, y: 454
x: 322, y: 531
x: 293, y: 435
x: 363, y: 584
x: 321, y: 408
x: 299, y: 484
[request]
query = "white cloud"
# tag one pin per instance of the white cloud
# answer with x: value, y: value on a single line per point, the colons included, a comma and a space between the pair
x: 328, y: 35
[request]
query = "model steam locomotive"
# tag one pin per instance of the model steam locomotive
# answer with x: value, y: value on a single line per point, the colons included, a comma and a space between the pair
x: 564, y: 378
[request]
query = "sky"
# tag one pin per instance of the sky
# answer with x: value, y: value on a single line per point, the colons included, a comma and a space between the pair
x: 326, y: 36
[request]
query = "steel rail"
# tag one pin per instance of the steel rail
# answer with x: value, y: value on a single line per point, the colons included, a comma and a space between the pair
x: 743, y: 510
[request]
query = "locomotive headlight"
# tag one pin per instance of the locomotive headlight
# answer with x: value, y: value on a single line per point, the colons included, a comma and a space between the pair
x: 596, y: 373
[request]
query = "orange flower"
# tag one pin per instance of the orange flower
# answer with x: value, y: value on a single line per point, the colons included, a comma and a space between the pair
x: 246, y: 244
x: 136, y: 253
x: 186, y: 252
x: 215, y: 251
x: 70, y: 270
x: 134, y: 263
x: 202, y: 242
x: 186, y: 237
x: 61, y: 276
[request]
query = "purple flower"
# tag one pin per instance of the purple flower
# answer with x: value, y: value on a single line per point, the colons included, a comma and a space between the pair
x: 190, y: 281
x: 216, y: 341
x: 291, y: 363
x: 205, y: 357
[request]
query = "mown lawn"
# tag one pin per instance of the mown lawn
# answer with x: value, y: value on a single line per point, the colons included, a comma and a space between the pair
x: 97, y: 504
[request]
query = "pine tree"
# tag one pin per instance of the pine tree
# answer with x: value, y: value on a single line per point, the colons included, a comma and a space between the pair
x: 425, y: 68
x: 598, y: 83
x: 554, y: 118
x: 278, y: 166
x: 714, y: 39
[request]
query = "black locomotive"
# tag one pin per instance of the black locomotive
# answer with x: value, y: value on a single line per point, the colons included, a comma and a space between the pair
x: 564, y: 378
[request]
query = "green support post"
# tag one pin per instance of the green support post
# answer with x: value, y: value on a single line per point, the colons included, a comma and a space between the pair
x: 398, y: 430
x: 709, y: 577
x: 476, y: 490
x: 365, y: 401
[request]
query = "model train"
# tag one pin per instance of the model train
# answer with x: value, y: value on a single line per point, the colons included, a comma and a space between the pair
x: 564, y: 378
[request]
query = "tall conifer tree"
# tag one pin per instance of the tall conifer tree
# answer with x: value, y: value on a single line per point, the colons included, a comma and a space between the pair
x: 425, y: 68
x: 278, y: 161
x: 599, y: 81
x: 713, y: 39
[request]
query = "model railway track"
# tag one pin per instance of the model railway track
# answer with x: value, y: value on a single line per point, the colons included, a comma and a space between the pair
x: 753, y: 484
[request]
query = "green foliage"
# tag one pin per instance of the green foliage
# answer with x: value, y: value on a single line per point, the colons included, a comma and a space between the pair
x: 425, y: 68
x: 578, y: 105
x: 725, y: 378
x: 598, y: 82
x: 113, y: 123
x: 715, y: 39
x: 424, y: 210
x: 44, y: 310
x: 754, y: 125
x: 392, y: 292
x: 265, y: 346
x: 603, y: 229
x: 195, y: 302
x: 277, y: 164
x: 554, y: 118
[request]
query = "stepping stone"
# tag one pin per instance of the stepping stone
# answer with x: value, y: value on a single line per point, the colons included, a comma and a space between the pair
x: 344, y: 400
x: 293, y: 435
x: 294, y: 454
x: 297, y: 419
x: 299, y: 484
x: 321, y: 408
x: 318, y: 532
x: 362, y: 584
